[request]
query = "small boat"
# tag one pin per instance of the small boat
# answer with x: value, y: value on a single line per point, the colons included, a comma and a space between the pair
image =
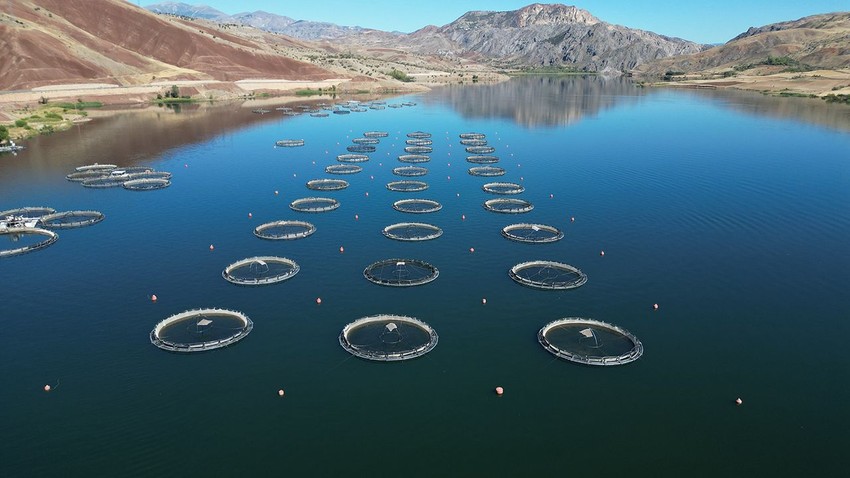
x: 10, y: 148
x: 18, y: 222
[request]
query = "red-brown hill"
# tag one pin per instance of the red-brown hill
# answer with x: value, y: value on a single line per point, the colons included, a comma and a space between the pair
x: 48, y: 42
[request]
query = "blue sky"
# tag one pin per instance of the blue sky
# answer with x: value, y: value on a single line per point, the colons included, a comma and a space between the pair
x: 715, y: 21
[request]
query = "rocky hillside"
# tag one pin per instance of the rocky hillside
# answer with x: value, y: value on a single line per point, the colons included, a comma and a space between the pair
x: 815, y: 42
x: 48, y: 42
x: 552, y: 35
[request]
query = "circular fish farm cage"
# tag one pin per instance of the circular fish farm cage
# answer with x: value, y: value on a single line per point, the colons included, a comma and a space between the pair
x: 503, y: 188
x: 480, y: 149
x: 352, y: 158
x: 261, y: 270
x: 26, y: 239
x: 419, y: 135
x: 151, y: 175
x: 376, y: 134
x: 314, y: 204
x: 361, y: 148
x: 145, y: 184
x: 419, y: 142
x: 547, y: 275
x: 508, y: 205
x: 473, y: 142
x: 482, y: 159
x: 410, y: 171
x: 131, y: 170
x: 284, y: 230
x: 365, y: 141
x: 532, y: 233
x: 343, y: 169
x: 327, y: 184
x: 412, y: 231
x: 96, y: 167
x: 401, y: 272
x: 29, y: 211
x: 289, y: 143
x: 414, y: 158
x: 103, y: 182
x: 472, y: 136
x: 407, y: 186
x: 388, y: 338
x: 200, y: 330
x: 487, y: 171
x: 589, y: 342
x: 80, y: 176
x: 417, y: 206
x: 418, y: 149
x: 71, y: 219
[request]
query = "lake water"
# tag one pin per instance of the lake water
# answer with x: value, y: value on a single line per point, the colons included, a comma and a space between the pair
x: 729, y: 210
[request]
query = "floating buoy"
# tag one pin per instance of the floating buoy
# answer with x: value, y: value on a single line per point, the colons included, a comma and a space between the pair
x: 449, y: 164
x: 318, y: 300
x: 458, y: 194
x: 212, y: 247
x: 356, y: 217
x: 276, y: 193
x: 463, y: 217
x: 484, y: 301
x: 551, y: 196
x: 471, y: 249
x: 153, y: 298
x: 500, y: 391
x: 280, y: 393
x: 185, y: 165
x: 367, y: 194
x: 341, y: 249
x: 380, y: 164
x: 47, y: 389
x: 250, y: 215
x: 602, y: 253
x: 654, y: 306
x: 371, y: 177
x: 314, y: 162
x: 293, y: 175
x: 450, y: 178
x: 572, y: 219
x: 739, y: 401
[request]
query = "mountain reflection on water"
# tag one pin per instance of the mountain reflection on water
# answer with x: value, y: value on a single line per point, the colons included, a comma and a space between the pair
x: 540, y: 100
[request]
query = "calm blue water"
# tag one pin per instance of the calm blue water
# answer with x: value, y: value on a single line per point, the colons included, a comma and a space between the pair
x: 728, y: 210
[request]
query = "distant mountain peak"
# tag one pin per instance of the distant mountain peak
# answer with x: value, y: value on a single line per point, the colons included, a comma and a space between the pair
x: 186, y: 10
x: 552, y: 14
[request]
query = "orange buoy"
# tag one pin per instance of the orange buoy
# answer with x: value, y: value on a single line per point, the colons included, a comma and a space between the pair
x: 212, y: 247
x: 318, y: 300
x: 280, y: 393
x: 153, y: 298
x: 47, y: 388
x: 654, y: 306
x: 341, y: 249
x: 739, y: 401
x: 500, y: 391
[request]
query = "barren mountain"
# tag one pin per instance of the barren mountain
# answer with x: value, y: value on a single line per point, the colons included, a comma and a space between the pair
x: 814, y: 42
x: 93, y: 41
x: 549, y: 35
x: 185, y: 10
